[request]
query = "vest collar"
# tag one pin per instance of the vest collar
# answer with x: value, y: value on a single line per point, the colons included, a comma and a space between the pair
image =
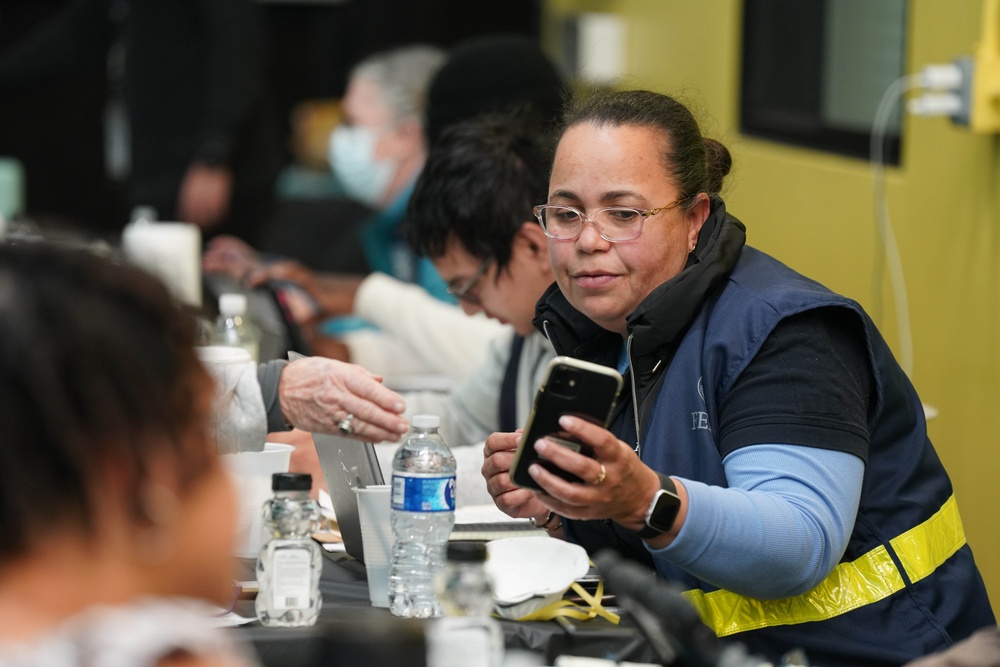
x: 660, y: 320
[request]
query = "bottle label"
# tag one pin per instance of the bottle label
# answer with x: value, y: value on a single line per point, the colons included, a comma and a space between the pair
x: 292, y: 577
x: 423, y: 493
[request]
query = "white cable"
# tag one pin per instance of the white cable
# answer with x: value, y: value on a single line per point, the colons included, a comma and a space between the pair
x: 935, y: 104
x: 894, y: 263
x: 941, y: 77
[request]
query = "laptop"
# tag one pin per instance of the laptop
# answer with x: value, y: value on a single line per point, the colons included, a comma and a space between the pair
x: 347, y: 464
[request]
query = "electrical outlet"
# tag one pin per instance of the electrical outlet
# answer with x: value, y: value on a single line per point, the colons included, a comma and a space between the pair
x: 980, y: 90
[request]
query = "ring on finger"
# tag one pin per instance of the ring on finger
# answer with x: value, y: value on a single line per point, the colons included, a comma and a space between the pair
x: 600, y: 478
x: 346, y: 425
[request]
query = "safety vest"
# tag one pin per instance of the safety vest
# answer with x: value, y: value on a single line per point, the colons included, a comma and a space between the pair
x: 907, y: 584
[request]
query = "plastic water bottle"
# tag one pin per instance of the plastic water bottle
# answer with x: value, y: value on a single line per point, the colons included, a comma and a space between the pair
x: 423, y: 514
x: 466, y: 635
x: 233, y: 328
x: 290, y: 563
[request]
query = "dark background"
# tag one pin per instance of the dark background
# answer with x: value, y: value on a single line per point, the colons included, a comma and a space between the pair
x: 57, y: 131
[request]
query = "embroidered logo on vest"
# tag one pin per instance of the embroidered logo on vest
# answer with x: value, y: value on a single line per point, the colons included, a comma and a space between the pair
x: 699, y: 418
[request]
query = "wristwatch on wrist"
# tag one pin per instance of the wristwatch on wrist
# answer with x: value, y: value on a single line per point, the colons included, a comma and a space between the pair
x: 662, y: 511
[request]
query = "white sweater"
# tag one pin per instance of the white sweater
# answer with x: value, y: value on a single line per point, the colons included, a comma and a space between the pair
x: 418, y: 333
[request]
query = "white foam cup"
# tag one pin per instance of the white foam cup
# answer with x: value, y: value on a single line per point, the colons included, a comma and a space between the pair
x: 251, y: 473
x: 169, y: 250
x: 376, y: 535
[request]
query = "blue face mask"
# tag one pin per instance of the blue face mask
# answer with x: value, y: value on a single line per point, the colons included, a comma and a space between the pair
x: 352, y: 157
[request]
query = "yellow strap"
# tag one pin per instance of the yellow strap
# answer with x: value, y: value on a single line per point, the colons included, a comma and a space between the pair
x: 572, y: 610
x: 866, y: 580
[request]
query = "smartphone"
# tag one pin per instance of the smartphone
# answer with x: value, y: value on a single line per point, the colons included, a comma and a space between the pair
x: 571, y: 387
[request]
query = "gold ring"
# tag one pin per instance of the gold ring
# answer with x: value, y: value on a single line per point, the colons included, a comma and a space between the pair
x: 600, y: 478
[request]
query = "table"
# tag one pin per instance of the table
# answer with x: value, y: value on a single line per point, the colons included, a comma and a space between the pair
x: 352, y: 633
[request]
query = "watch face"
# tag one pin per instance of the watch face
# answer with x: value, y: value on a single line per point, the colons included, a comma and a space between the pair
x: 664, y: 511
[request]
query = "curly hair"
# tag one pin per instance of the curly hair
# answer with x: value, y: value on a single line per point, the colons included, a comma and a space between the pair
x: 97, y: 368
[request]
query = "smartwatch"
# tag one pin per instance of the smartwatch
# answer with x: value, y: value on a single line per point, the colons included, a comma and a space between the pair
x: 662, y: 511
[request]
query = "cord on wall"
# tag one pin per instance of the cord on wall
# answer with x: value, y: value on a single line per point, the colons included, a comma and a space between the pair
x: 890, y: 249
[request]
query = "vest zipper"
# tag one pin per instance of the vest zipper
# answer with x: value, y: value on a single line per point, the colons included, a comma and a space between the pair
x: 635, y: 395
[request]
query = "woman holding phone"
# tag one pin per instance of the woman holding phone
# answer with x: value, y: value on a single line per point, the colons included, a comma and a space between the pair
x: 767, y: 453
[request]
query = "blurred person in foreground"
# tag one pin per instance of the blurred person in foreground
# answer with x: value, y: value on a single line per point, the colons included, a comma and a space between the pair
x: 117, y: 518
x: 768, y: 453
x: 491, y: 73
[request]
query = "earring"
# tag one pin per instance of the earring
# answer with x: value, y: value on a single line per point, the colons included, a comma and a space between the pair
x: 158, y: 509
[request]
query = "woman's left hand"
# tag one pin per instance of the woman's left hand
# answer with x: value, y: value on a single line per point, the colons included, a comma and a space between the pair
x: 617, y: 484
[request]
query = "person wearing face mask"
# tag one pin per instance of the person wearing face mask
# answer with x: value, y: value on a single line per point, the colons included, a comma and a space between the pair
x: 493, y: 73
x: 376, y: 155
x: 379, y: 150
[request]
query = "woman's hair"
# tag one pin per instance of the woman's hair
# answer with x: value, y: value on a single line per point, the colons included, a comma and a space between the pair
x: 695, y: 163
x: 98, y: 372
x: 403, y: 76
x: 479, y: 185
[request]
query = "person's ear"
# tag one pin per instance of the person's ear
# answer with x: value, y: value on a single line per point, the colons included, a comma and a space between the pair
x: 531, y: 234
x: 534, y: 244
x: 696, y: 217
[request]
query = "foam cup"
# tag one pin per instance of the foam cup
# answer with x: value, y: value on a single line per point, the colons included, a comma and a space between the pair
x: 376, y: 536
x: 251, y: 473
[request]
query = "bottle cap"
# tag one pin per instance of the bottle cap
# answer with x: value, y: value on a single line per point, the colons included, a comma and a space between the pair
x: 467, y: 552
x: 291, y: 481
x: 425, y: 421
x: 232, y: 304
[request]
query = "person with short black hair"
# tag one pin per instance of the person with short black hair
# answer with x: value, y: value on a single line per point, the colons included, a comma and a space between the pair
x: 470, y: 213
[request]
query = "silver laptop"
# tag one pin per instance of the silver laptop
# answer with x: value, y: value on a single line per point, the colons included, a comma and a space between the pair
x: 347, y: 464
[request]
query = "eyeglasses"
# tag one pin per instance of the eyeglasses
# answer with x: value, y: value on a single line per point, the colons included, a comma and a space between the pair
x: 614, y: 223
x: 461, y: 292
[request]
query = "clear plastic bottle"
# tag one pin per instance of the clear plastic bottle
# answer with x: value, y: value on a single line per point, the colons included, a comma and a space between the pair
x: 234, y: 328
x: 423, y: 514
x: 290, y: 563
x: 466, y: 635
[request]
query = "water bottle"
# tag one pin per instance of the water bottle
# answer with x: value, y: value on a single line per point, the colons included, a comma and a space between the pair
x: 423, y: 514
x: 466, y: 635
x: 233, y: 328
x: 290, y: 562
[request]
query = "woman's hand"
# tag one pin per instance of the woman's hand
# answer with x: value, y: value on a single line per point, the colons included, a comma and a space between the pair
x: 498, y: 457
x: 617, y: 484
x: 316, y: 394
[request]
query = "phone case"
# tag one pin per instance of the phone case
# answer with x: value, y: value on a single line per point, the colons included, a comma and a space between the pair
x: 571, y: 387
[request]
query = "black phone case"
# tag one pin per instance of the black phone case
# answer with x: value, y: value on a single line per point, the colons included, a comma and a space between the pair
x: 571, y: 387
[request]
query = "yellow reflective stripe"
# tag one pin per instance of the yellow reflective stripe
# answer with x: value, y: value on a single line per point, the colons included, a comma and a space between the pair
x: 923, y: 549
x: 866, y: 580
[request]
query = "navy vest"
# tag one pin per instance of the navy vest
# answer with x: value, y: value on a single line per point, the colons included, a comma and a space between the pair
x: 907, y: 585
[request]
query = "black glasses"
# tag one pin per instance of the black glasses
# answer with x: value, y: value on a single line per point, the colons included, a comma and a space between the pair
x: 461, y: 292
x: 614, y: 223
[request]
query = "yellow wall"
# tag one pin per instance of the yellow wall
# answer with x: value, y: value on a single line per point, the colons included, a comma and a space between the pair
x: 814, y: 211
